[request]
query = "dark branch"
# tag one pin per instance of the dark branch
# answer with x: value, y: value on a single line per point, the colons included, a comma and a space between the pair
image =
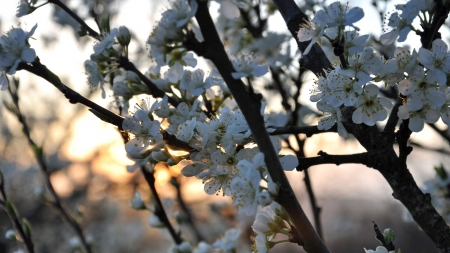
x: 308, y: 130
x: 324, y: 158
x: 155, y: 91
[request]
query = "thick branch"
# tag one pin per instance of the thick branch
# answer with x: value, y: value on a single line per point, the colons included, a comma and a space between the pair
x: 250, y: 106
x: 315, y: 60
x: 324, y: 158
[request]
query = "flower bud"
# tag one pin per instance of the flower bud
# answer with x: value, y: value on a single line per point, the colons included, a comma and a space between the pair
x: 11, y: 235
x: 388, y: 235
x: 137, y: 203
x: 123, y: 36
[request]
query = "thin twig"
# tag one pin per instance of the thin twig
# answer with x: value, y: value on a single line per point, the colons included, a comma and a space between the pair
x: 39, y: 154
x: 14, y: 217
x: 150, y: 178
x: 307, y: 130
x: 188, y: 214
x: 90, y: 31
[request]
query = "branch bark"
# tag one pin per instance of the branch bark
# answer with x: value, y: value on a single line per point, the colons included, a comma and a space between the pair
x: 250, y: 105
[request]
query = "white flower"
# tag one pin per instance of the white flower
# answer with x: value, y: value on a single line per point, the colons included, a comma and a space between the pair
x: 155, y: 222
x: 334, y: 116
x: 106, y: 43
x: 183, y: 247
x: 353, y: 42
x: 314, y: 29
x: 264, y: 219
x: 176, y: 60
x: 14, y: 48
x: 229, y: 8
x: 401, y: 26
x: 245, y: 66
x: 418, y: 118
x: 181, y: 12
x: 137, y: 203
x: 4, y: 82
x: 340, y: 15
x: 186, y: 130
x: 228, y: 241
x: 23, y: 8
x: 145, y: 132
x: 245, y: 186
x: 261, y: 244
x: 11, y: 235
x: 203, y: 247
x: 379, y: 249
x: 95, y: 78
x: 342, y: 89
x: 194, y: 82
x: 362, y: 65
x: 421, y: 89
x: 445, y: 110
x: 370, y: 108
x: 437, y: 61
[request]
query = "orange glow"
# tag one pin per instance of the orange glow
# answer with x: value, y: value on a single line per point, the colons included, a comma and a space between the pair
x: 62, y: 184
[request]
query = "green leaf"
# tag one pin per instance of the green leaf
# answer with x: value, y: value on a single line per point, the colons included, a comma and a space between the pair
x: 26, y: 227
x: 82, y: 32
x: 442, y: 173
x: 10, y: 209
x: 104, y: 25
x: 38, y: 151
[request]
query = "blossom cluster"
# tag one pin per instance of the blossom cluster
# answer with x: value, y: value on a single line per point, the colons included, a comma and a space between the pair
x: 14, y: 49
x: 421, y: 77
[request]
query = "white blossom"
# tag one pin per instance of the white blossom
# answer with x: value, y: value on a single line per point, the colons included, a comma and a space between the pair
x: 370, y: 108
x: 333, y: 116
x: 95, y: 78
x: 14, y: 49
x: 246, y: 66
x: 228, y: 241
x: 106, y: 42
x: 437, y: 61
x: 316, y: 28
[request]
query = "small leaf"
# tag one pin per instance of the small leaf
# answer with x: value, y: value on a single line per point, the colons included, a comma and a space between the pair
x: 442, y: 173
x: 26, y: 227
x: 105, y: 24
x: 10, y: 209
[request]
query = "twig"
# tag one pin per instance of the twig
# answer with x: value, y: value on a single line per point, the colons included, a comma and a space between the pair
x: 39, y: 154
x: 324, y: 158
x: 307, y: 130
x: 155, y: 91
x: 14, y: 217
x: 41, y: 70
x: 188, y: 214
x: 90, y: 31
x: 150, y: 178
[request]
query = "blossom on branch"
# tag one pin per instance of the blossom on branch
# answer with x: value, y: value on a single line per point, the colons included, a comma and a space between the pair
x: 14, y: 49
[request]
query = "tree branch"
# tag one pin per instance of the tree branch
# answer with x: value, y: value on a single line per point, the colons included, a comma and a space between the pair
x: 308, y: 130
x: 324, y: 158
x: 315, y: 60
x: 74, y: 97
x: 250, y: 106
x: 155, y: 91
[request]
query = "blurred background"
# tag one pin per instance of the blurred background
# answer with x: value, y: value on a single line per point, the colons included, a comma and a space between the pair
x: 88, y: 158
